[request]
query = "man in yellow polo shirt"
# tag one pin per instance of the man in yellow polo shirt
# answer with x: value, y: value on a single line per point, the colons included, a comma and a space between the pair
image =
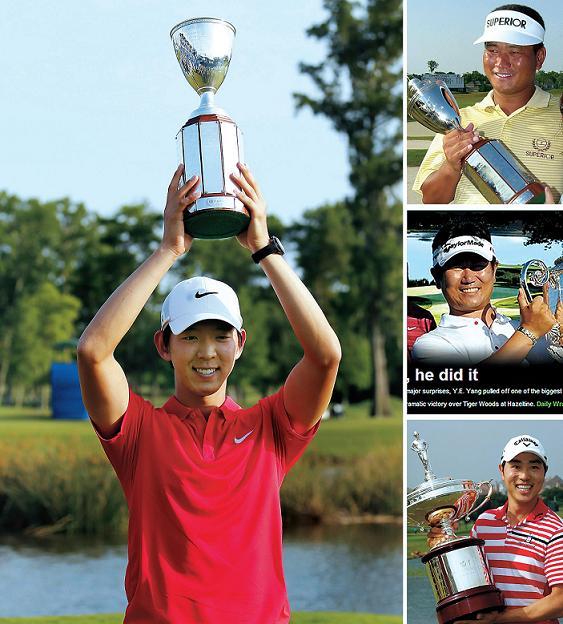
x: 523, y: 116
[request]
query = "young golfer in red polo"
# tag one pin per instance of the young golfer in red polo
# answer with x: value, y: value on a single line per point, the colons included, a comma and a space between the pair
x: 202, y: 475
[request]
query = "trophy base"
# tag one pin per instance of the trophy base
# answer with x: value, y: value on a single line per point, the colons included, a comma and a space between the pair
x: 215, y: 223
x: 467, y: 604
x: 499, y: 176
x: 532, y: 194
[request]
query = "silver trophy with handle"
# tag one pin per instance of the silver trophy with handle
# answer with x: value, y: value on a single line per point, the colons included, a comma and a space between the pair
x: 490, y: 166
x: 534, y: 275
x: 456, y: 566
x: 209, y: 143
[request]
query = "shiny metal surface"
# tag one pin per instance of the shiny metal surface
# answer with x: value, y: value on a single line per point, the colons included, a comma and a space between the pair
x: 420, y: 447
x: 458, y: 570
x: 496, y: 173
x: 432, y: 104
x: 203, y: 47
x: 492, y: 168
x: 211, y: 150
x: 536, y: 273
x: 458, y: 494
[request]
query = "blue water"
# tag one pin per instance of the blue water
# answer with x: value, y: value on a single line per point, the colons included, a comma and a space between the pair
x: 351, y: 568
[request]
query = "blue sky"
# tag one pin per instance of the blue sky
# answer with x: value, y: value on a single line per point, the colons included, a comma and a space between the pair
x: 454, y: 446
x: 93, y: 97
x: 444, y: 31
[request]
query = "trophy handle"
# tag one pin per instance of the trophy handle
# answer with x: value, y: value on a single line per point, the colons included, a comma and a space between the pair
x: 539, y: 277
x: 485, y: 500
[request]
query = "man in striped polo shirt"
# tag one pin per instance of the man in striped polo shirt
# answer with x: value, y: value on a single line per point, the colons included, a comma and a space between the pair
x: 524, y: 539
x: 516, y: 111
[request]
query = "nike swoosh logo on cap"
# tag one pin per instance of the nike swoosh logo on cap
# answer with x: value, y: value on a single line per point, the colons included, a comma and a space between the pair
x: 199, y: 295
x: 239, y: 440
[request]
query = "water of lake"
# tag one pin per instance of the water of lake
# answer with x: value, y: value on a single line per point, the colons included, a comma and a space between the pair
x: 421, y: 606
x: 337, y: 568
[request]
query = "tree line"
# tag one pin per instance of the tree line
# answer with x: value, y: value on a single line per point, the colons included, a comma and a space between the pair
x: 59, y: 262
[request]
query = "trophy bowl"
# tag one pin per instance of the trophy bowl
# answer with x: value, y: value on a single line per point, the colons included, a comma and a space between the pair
x: 456, y: 566
x: 210, y: 143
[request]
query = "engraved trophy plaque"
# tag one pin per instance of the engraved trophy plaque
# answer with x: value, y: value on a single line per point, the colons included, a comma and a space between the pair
x: 209, y: 143
x: 490, y: 166
x: 535, y: 273
x: 456, y: 566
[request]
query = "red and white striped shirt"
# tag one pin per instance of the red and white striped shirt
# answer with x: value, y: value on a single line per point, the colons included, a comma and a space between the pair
x: 525, y: 560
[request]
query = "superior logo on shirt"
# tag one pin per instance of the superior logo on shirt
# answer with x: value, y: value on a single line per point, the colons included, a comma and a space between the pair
x: 540, y: 146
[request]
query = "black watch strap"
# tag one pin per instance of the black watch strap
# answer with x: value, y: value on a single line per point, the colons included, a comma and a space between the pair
x: 273, y: 247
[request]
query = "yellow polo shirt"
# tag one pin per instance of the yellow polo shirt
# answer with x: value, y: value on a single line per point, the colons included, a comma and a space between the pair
x: 534, y: 134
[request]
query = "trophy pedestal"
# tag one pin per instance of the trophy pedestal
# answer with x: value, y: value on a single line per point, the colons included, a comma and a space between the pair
x: 461, y: 581
x: 465, y: 605
x: 499, y: 176
x: 210, y: 146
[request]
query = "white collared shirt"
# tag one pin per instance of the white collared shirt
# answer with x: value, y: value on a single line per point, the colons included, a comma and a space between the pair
x: 463, y: 340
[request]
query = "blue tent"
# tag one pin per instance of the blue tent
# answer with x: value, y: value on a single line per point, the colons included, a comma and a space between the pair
x: 66, y: 399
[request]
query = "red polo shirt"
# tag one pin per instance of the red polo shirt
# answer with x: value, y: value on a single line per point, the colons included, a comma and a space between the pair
x: 205, y: 530
x: 526, y: 560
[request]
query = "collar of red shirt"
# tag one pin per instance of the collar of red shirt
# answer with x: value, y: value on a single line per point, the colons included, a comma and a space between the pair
x: 537, y: 512
x: 173, y: 406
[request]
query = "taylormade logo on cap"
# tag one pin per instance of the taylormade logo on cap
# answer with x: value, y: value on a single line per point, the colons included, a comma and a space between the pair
x: 511, y: 27
x: 463, y: 244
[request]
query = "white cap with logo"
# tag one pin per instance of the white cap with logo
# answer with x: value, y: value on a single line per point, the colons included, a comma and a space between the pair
x: 511, y: 27
x: 523, y: 444
x: 462, y: 244
x: 200, y: 299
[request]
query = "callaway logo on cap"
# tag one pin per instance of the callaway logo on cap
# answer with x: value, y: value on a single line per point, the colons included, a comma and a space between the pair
x: 511, y: 27
x: 462, y: 244
x: 523, y: 444
x: 200, y: 299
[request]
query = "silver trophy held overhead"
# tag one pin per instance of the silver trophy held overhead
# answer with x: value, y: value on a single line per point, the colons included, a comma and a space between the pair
x: 490, y: 166
x: 535, y: 273
x: 456, y: 566
x: 209, y: 143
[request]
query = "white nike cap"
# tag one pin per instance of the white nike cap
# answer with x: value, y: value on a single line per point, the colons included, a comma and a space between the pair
x: 523, y: 444
x: 200, y: 299
x: 462, y: 244
x: 511, y: 27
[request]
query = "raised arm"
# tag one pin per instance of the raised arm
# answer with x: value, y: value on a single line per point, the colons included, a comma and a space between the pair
x: 104, y: 386
x: 309, y: 386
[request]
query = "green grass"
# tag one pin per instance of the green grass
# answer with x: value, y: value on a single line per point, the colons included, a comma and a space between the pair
x: 355, y: 434
x: 297, y: 618
x: 352, y: 435
x: 421, y: 138
x: 415, y: 157
x: 54, y: 476
x: 416, y: 542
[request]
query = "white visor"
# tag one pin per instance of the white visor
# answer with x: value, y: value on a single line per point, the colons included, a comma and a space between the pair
x: 511, y: 27
x: 462, y: 244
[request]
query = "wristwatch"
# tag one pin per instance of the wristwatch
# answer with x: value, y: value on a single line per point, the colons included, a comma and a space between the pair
x: 273, y: 247
x: 528, y: 334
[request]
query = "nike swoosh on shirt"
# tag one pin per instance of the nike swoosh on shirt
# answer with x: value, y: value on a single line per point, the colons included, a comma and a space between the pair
x: 239, y: 440
x: 411, y: 328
